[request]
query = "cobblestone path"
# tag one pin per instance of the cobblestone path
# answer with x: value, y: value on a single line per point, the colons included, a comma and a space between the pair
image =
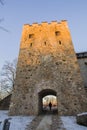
x: 40, y: 123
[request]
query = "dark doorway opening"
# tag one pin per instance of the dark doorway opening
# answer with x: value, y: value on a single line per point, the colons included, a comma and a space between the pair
x: 45, y: 97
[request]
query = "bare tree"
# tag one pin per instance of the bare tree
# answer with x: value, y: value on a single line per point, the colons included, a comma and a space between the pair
x: 8, y: 76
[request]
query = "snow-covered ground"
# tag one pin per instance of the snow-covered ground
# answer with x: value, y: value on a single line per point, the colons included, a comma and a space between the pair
x: 17, y: 122
x: 69, y: 123
x: 20, y: 122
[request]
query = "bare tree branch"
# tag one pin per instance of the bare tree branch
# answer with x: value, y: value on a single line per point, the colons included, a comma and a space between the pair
x: 1, y: 20
x: 1, y: 2
x: 8, y: 75
x: 4, y: 29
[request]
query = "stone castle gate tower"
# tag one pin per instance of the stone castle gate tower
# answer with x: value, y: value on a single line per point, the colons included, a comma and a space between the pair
x: 47, y: 64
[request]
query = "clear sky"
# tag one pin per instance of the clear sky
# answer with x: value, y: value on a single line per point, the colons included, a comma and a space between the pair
x: 16, y: 13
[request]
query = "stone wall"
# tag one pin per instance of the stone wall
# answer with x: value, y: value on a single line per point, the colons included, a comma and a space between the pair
x: 47, y: 64
x: 82, y: 60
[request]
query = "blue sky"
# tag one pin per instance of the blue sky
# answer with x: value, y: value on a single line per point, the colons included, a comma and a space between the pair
x: 16, y: 13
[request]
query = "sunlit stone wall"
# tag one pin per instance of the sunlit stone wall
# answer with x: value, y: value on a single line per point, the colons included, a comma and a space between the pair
x: 47, y: 61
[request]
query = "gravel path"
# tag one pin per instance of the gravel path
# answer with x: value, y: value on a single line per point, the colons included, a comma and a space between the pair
x: 46, y: 122
x: 57, y: 123
x: 33, y: 125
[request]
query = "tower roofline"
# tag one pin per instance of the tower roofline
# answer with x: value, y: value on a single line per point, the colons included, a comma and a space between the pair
x: 45, y: 22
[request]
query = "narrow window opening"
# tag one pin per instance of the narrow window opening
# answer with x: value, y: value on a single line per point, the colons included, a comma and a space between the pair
x: 60, y: 42
x: 30, y: 44
x: 31, y: 35
x: 57, y: 33
x: 45, y: 43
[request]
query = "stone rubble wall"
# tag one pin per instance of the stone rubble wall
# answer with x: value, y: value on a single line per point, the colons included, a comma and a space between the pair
x: 47, y: 61
x: 83, y: 69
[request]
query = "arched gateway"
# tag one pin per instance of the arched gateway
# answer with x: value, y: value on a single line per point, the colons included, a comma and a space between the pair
x: 41, y: 95
x: 47, y: 64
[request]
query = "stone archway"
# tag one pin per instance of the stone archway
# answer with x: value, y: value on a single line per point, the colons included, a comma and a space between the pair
x: 42, y: 94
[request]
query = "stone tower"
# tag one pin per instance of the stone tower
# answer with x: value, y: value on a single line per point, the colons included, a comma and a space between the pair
x: 47, y: 64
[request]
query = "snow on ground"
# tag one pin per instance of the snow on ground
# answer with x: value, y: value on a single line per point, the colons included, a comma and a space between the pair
x: 17, y: 122
x: 20, y: 122
x: 69, y: 123
x: 84, y: 113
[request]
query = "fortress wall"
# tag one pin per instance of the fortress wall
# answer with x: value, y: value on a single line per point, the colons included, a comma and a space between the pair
x: 47, y: 61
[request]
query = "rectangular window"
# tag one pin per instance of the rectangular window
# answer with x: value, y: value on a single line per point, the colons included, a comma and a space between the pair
x: 57, y: 33
x: 31, y: 35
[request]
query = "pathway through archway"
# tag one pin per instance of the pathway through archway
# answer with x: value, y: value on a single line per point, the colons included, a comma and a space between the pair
x: 45, y: 97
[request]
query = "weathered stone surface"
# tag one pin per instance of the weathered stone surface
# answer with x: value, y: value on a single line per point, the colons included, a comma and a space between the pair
x: 82, y: 60
x: 82, y: 119
x: 47, y: 65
